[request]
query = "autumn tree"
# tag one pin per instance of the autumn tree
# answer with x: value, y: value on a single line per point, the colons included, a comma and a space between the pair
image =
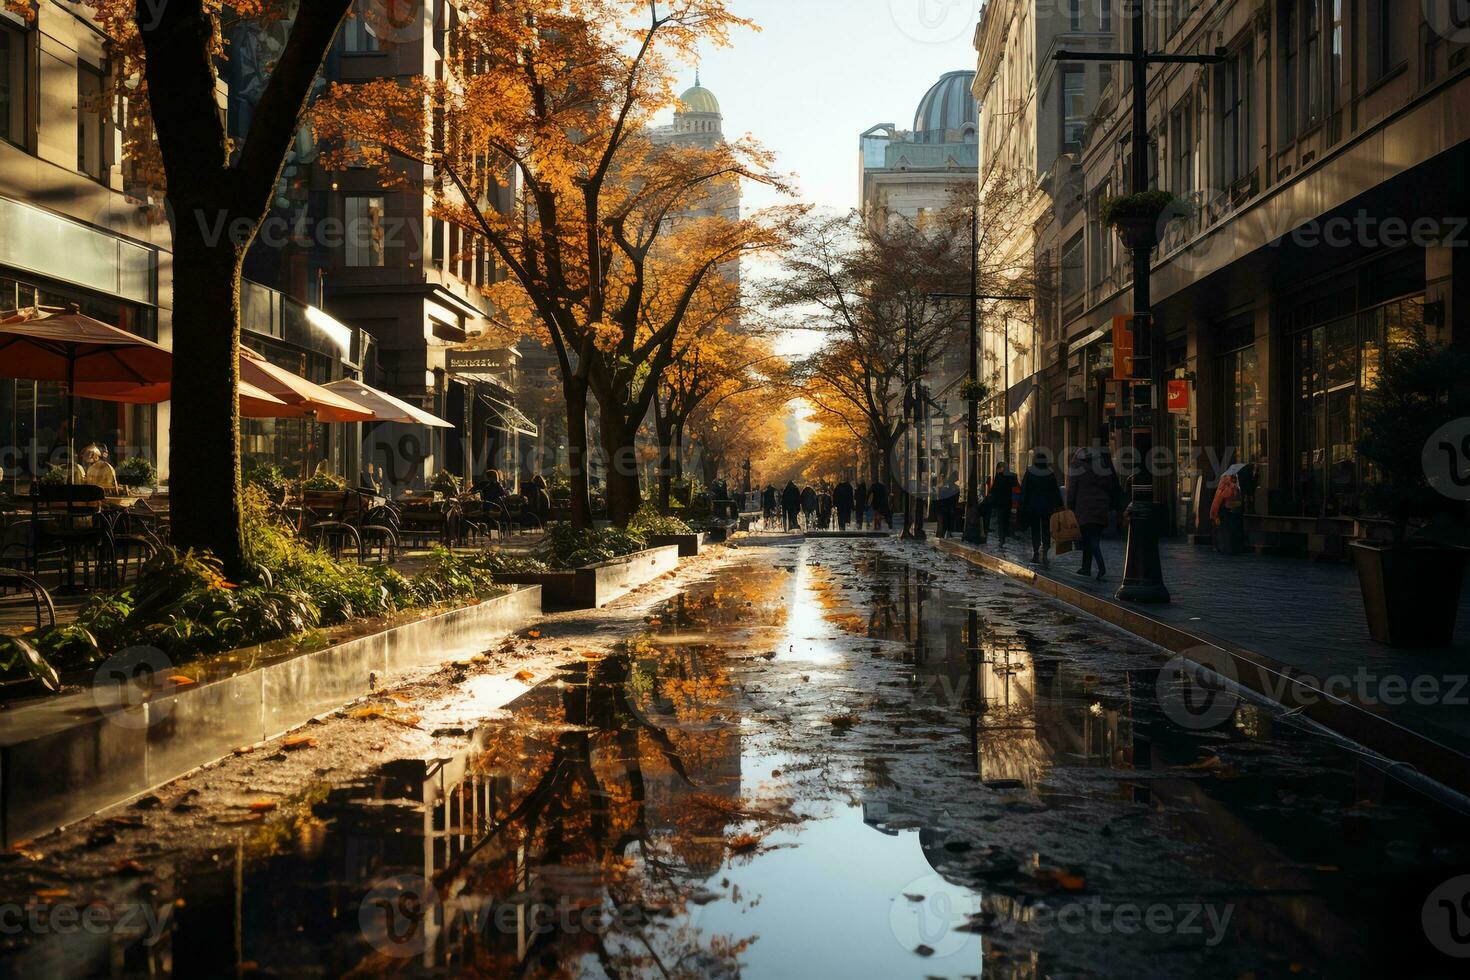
x: 607, y: 248
x: 864, y: 289
x: 713, y: 366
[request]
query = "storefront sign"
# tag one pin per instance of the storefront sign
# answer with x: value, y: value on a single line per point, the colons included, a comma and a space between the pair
x: 1123, y: 349
x: 1179, y: 395
x: 479, y: 361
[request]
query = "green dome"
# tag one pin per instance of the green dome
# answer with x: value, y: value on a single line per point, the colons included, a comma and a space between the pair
x: 700, y: 99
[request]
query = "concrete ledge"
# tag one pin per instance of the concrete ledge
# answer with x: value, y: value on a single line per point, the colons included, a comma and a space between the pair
x: 596, y: 585
x: 851, y: 534
x: 1366, y: 724
x: 67, y: 757
x: 688, y: 544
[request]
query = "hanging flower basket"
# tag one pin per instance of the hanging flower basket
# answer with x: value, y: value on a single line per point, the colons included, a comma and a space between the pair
x: 974, y: 391
x: 1139, y: 219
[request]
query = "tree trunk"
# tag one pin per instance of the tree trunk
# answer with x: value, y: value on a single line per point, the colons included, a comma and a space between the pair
x: 679, y: 451
x: 204, y: 433
x: 575, y: 392
x: 624, y: 491
x: 666, y: 461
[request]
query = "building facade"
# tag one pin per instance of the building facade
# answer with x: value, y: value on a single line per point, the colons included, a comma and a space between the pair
x: 378, y: 258
x: 907, y: 174
x: 1304, y: 161
x: 1033, y: 115
x: 69, y: 236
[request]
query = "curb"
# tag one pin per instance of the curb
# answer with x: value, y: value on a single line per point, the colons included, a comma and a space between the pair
x: 1279, y: 683
x: 66, y: 758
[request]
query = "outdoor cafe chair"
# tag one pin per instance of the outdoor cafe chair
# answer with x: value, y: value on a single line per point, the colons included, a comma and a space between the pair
x: 13, y: 582
x: 518, y: 514
x: 69, y: 515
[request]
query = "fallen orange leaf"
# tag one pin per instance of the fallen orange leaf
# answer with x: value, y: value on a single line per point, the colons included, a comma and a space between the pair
x: 181, y: 680
x: 262, y: 806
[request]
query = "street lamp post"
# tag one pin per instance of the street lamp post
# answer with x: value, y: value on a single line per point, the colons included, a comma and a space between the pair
x: 974, y: 532
x: 1143, y: 576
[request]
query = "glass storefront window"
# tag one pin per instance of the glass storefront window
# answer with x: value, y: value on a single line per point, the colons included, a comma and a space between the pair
x: 1334, y: 363
x: 1243, y: 406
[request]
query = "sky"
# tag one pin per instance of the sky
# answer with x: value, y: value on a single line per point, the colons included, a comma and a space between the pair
x: 819, y: 73
x: 822, y: 71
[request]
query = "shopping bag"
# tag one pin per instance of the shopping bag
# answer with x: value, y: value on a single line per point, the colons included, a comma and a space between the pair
x: 1064, y: 528
x: 1064, y: 547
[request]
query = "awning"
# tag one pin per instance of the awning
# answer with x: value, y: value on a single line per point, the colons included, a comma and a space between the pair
x: 515, y: 420
x: 302, y: 398
x: 1017, y: 394
x: 385, y: 407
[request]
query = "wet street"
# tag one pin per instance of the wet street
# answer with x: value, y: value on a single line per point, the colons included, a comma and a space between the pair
x: 834, y: 758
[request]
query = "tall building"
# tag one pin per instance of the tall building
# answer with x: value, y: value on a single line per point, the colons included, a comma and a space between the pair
x: 68, y: 233
x: 906, y: 172
x: 1301, y: 160
x: 1034, y: 114
x: 382, y: 263
x: 905, y: 175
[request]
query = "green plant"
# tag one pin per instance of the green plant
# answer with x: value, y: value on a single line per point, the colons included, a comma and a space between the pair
x: 446, y: 483
x: 136, y: 471
x: 974, y: 391
x: 268, y: 477
x: 20, y: 658
x: 54, y: 476
x: 566, y: 547
x: 648, y: 522
x: 1148, y: 206
x: 68, y: 646
x: 322, y: 480
x: 1420, y: 386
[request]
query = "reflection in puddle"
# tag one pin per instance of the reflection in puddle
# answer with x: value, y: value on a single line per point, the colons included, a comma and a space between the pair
x: 967, y: 782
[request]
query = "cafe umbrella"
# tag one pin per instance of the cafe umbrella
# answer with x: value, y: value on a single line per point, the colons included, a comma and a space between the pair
x: 77, y: 350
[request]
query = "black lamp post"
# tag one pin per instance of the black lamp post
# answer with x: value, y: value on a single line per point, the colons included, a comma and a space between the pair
x: 974, y: 534
x: 1143, y: 576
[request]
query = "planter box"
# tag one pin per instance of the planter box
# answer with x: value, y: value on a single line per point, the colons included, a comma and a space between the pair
x: 1411, y: 595
x: 596, y: 585
x: 688, y: 544
x: 69, y: 756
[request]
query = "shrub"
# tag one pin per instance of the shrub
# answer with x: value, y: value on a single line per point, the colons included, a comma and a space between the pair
x: 322, y: 480
x: 136, y: 471
x: 183, y: 605
x: 566, y: 547
x: 446, y: 483
x: 268, y: 477
x: 648, y: 522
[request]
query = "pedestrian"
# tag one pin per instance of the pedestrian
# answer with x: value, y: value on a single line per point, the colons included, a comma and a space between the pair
x: 808, y: 507
x: 768, y: 505
x: 1041, y: 497
x: 1093, y: 490
x: 790, y: 505
x: 842, y: 498
x: 947, y: 505
x: 860, y: 504
x: 878, y: 500
x: 999, y: 500
x: 540, y: 498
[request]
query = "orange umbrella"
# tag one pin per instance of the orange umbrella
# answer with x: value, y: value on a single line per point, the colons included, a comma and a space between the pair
x: 301, y: 397
x: 254, y: 403
x: 73, y: 348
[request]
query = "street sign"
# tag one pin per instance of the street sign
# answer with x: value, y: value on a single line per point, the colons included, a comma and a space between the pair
x: 1178, y: 395
x: 1123, y: 349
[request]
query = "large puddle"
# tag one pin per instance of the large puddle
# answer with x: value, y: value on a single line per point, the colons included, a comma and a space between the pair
x: 824, y: 762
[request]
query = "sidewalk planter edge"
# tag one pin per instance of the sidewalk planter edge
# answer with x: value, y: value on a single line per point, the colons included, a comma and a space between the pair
x: 594, y: 586
x: 688, y: 544
x: 67, y: 757
x: 1411, y: 594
